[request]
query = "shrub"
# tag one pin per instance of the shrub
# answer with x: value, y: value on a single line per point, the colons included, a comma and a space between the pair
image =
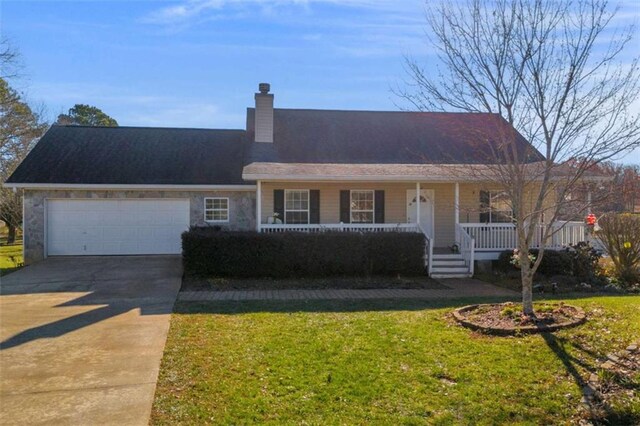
x: 585, y: 262
x: 553, y: 262
x: 293, y: 255
x: 620, y: 235
x: 503, y: 264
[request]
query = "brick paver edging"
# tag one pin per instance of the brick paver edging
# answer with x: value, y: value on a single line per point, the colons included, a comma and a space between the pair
x: 455, y: 289
x: 590, y: 388
x: 579, y: 317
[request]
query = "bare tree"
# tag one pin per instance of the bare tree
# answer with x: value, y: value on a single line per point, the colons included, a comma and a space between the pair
x: 554, y: 71
x: 20, y: 128
x: 9, y: 60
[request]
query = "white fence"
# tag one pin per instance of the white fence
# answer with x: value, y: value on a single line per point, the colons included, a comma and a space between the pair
x: 503, y: 236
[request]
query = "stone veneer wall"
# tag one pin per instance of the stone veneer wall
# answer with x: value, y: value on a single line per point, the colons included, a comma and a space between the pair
x: 242, y: 216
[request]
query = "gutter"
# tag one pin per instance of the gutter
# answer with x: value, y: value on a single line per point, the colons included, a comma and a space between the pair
x: 129, y: 187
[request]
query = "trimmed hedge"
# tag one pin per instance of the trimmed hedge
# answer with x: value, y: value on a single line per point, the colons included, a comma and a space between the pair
x: 553, y: 262
x: 580, y: 261
x: 207, y: 252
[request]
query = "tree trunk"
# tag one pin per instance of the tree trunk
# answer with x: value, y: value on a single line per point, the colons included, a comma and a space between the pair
x: 527, y: 281
x: 11, y: 236
x: 527, y: 293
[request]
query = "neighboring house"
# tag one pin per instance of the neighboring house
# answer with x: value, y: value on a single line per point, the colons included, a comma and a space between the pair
x: 130, y: 190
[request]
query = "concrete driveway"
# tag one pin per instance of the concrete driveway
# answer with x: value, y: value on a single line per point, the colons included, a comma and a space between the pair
x: 82, y: 338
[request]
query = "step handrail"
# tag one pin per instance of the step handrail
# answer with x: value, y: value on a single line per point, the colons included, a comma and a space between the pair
x: 467, y: 248
x: 428, y: 248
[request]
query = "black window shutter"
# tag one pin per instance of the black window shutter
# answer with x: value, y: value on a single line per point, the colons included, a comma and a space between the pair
x: 314, y: 206
x: 484, y: 206
x: 345, y: 210
x: 378, y: 216
x: 278, y: 203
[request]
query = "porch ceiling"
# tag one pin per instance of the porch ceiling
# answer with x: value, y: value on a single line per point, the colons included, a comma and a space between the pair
x: 319, y: 172
x: 364, y: 172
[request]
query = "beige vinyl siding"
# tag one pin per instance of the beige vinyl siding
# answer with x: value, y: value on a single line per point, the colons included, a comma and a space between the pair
x: 395, y: 195
x: 394, y: 198
x: 469, y: 203
x: 444, y: 213
x: 470, y: 200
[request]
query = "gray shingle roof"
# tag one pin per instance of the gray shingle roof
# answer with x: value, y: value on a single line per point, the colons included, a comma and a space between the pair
x: 382, y: 137
x: 171, y: 156
x: 134, y: 155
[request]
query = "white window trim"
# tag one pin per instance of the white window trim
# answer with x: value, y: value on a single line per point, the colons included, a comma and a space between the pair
x: 213, y: 210
x: 307, y: 210
x: 373, y: 209
x: 490, y: 206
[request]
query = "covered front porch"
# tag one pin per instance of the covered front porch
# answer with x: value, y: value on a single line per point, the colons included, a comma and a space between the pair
x: 462, y: 222
x: 362, y: 207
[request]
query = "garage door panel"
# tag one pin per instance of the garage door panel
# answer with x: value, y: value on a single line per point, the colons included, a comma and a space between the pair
x: 111, y: 227
x: 119, y: 233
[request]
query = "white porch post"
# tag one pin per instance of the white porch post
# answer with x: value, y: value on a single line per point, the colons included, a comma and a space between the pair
x: 258, y: 205
x: 456, y: 215
x: 418, y: 203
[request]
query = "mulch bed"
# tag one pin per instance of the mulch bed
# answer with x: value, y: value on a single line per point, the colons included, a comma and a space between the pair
x: 507, y: 318
x: 190, y: 283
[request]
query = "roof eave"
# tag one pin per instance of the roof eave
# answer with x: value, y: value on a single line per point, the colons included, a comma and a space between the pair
x: 128, y: 187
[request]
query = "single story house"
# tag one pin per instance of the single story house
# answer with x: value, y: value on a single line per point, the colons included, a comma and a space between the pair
x: 134, y: 190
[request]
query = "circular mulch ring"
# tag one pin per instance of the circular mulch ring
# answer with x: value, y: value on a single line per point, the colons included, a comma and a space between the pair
x: 506, y: 319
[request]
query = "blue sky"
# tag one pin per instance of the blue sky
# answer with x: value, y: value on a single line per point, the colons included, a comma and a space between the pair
x: 192, y: 63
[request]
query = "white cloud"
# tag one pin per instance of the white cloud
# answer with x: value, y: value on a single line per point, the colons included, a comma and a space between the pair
x: 179, y: 13
x: 184, y: 114
x: 132, y: 108
x: 188, y: 10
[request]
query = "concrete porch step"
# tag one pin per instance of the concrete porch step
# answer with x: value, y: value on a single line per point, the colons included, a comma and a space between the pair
x: 453, y: 262
x: 452, y: 269
x: 449, y: 265
x: 445, y: 275
x: 451, y: 256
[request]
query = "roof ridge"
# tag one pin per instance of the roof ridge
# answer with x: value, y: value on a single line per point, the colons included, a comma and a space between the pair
x: 386, y: 111
x: 146, y: 127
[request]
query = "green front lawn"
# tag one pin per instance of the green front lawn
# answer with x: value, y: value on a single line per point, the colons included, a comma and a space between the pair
x: 10, y: 256
x: 376, y: 362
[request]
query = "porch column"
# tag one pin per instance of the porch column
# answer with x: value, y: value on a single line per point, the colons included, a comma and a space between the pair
x: 258, y: 205
x: 456, y: 210
x: 589, y: 202
x: 417, y: 202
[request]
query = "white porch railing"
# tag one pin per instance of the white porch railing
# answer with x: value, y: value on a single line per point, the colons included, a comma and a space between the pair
x: 569, y: 234
x: 341, y: 227
x: 502, y: 236
x: 467, y: 248
x: 428, y: 249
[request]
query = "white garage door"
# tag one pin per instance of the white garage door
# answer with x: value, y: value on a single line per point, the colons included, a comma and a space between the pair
x: 112, y: 227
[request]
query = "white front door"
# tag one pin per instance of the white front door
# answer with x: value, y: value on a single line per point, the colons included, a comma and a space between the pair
x: 426, y: 209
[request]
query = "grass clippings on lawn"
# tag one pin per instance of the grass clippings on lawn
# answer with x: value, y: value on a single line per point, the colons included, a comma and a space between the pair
x: 190, y: 283
x: 376, y: 362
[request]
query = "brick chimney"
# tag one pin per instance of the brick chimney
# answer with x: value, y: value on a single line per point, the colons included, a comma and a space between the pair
x: 264, y: 114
